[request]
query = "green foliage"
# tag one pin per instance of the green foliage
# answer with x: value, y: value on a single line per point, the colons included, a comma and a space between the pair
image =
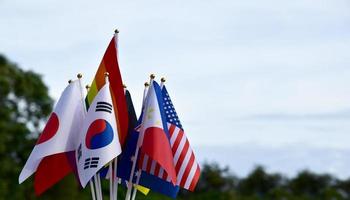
x: 259, y: 183
x: 24, y: 106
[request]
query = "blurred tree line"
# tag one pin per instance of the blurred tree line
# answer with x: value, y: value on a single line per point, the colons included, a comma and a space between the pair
x: 25, y: 104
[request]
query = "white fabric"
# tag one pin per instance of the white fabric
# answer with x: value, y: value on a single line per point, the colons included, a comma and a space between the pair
x: 106, y: 153
x: 70, y: 112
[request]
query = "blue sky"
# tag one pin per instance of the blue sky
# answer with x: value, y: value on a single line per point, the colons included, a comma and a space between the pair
x: 250, y: 78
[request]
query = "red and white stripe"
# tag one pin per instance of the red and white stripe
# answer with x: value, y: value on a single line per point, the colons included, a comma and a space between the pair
x: 187, y: 169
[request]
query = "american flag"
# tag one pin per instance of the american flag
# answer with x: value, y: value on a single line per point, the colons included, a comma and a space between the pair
x: 187, y: 169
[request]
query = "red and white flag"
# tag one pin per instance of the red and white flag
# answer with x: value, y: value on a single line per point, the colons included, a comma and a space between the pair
x: 154, y: 139
x: 99, y: 142
x: 59, y: 136
x: 186, y: 167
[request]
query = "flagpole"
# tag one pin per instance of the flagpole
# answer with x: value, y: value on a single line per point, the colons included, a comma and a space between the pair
x: 134, y: 192
x: 110, y: 168
x: 98, y: 186
x: 114, y: 183
x: 97, y: 176
x: 91, y: 181
x: 79, y: 76
x: 115, y: 180
x: 94, y: 179
x: 134, y: 158
x: 115, y: 166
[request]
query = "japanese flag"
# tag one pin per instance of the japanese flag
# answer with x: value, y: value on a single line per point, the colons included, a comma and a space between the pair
x: 99, y: 142
x: 60, y: 133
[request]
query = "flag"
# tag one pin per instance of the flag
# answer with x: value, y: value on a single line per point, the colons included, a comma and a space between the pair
x: 150, y: 181
x: 99, y: 142
x: 186, y: 166
x: 132, y: 124
x: 154, y: 138
x: 110, y: 64
x: 60, y: 134
x: 125, y: 162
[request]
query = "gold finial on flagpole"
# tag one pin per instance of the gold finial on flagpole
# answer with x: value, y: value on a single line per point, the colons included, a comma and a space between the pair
x: 124, y: 86
x: 79, y: 76
x: 152, y: 76
x: 146, y: 84
x: 87, y: 87
x: 70, y: 81
x: 116, y: 31
x: 106, y: 77
x: 163, y: 80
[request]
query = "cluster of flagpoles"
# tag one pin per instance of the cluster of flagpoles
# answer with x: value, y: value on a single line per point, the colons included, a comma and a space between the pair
x: 93, y: 134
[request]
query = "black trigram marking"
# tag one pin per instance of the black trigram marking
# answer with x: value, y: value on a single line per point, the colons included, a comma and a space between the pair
x: 79, y: 152
x: 91, y: 162
x: 104, y: 107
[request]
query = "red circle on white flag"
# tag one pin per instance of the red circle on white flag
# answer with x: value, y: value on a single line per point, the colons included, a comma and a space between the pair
x: 50, y: 129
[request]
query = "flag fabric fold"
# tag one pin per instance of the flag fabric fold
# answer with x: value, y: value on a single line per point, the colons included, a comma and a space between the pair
x: 59, y: 136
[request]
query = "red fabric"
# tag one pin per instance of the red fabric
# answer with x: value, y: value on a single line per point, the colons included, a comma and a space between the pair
x: 156, y: 145
x: 182, y: 156
x: 110, y: 61
x: 195, y: 179
x: 50, y: 129
x: 51, y: 170
x: 187, y: 170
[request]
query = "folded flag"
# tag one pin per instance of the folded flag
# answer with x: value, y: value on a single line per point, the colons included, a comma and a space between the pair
x: 186, y: 166
x: 60, y: 134
x: 99, y: 142
x: 110, y: 64
x: 154, y: 138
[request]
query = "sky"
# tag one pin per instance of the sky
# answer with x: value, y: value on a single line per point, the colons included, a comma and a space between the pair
x: 254, y: 82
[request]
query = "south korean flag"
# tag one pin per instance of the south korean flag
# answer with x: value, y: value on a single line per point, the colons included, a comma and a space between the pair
x: 99, y: 142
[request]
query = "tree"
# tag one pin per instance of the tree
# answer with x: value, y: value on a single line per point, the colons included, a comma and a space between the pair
x: 24, y: 106
x: 214, y: 182
x: 309, y: 184
x: 259, y: 183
